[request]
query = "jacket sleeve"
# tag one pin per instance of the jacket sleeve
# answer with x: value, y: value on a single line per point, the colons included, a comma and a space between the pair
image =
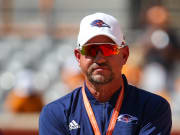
x: 49, y: 124
x: 158, y: 119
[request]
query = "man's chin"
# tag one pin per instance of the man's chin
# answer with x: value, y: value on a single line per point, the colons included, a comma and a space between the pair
x: 100, y: 79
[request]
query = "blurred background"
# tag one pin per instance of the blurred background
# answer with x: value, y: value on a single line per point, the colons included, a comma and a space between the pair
x: 37, y: 66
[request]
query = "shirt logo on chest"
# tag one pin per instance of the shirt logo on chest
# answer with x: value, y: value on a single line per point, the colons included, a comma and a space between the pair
x: 127, y: 118
x: 73, y: 125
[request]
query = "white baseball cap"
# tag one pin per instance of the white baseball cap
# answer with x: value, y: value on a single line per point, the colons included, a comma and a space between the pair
x: 99, y: 24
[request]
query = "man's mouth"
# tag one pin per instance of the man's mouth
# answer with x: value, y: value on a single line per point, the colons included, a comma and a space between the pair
x: 100, y: 69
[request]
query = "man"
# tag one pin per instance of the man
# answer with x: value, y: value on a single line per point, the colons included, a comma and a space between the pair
x: 106, y: 103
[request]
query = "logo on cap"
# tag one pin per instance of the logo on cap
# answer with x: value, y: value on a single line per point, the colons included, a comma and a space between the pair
x: 99, y: 23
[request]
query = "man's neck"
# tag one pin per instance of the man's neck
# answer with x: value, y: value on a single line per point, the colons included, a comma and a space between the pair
x: 103, y: 92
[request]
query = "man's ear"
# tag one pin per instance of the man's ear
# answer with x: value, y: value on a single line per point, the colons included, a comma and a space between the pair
x: 77, y: 55
x: 125, y: 54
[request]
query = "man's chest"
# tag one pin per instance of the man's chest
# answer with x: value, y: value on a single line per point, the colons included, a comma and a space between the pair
x: 79, y: 123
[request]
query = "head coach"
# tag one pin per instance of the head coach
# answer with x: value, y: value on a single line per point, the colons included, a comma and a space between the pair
x: 106, y: 104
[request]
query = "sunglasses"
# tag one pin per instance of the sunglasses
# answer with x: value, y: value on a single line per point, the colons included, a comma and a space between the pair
x: 107, y: 49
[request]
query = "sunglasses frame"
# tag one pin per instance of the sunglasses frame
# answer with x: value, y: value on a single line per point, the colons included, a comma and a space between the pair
x: 112, y: 44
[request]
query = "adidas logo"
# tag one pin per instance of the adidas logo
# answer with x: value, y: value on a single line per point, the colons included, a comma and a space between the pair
x: 73, y: 125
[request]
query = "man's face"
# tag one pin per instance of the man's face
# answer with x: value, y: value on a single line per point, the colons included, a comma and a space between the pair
x: 102, y: 69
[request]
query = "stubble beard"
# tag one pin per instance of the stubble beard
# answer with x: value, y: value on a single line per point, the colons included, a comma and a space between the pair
x: 99, y: 79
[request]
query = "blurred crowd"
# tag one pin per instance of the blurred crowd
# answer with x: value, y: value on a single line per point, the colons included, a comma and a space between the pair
x: 34, y: 72
x: 155, y: 61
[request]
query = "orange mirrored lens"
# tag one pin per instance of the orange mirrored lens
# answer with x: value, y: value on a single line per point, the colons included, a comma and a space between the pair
x: 106, y: 50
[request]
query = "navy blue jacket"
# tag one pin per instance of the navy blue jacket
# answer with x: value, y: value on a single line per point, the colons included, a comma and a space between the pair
x: 142, y: 113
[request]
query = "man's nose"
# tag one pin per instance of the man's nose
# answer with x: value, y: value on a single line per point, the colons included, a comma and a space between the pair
x: 100, y: 58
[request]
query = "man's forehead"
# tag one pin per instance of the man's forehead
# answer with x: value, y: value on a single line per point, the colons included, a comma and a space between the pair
x: 101, y: 39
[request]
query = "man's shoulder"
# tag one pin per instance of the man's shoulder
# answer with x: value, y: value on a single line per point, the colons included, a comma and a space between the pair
x: 65, y: 102
x: 142, y: 97
x: 55, y: 114
x: 146, y: 96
